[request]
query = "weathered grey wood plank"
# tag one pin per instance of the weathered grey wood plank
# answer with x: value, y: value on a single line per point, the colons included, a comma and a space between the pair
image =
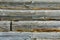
x: 30, y: 5
x: 29, y: 36
x: 46, y: 36
x: 36, y: 26
x: 4, y: 26
x: 30, y: 14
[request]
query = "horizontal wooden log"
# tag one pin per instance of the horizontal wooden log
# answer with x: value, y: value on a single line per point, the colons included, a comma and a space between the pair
x: 4, y: 26
x: 14, y: 36
x: 30, y: 36
x: 29, y: 14
x: 36, y: 26
x: 30, y: 5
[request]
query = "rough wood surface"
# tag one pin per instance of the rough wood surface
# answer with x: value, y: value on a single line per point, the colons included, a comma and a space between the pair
x: 36, y: 26
x: 30, y: 36
x: 30, y: 5
x: 29, y: 14
x: 4, y: 26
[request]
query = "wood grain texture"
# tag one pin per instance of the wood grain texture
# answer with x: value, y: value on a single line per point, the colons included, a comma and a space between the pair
x: 30, y: 5
x: 36, y: 26
x: 30, y: 36
x: 29, y: 14
x: 4, y: 26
